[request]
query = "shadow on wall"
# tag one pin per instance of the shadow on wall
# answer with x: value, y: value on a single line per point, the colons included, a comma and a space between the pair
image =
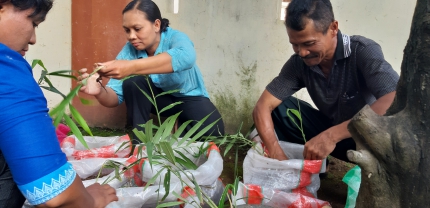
x: 236, y: 106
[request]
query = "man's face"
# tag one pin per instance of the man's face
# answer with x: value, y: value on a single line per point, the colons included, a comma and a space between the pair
x: 17, y: 29
x: 313, y: 46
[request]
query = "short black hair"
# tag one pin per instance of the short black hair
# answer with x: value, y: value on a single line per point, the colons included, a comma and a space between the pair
x: 150, y: 9
x: 41, y: 7
x: 320, y: 11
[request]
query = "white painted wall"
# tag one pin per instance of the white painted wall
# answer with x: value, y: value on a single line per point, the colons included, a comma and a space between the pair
x: 232, y: 35
x: 53, y: 47
x: 241, y: 44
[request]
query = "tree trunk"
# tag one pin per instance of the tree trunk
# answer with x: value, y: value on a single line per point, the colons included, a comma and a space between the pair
x: 393, y: 150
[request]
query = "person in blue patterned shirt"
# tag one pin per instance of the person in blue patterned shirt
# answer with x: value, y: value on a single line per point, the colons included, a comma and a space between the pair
x: 168, y: 57
x: 32, y: 165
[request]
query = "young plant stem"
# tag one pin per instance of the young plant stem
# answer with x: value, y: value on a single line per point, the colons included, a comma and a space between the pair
x: 155, y: 101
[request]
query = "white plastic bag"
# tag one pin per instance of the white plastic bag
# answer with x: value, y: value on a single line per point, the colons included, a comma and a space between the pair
x: 91, y: 166
x: 207, y: 173
x: 256, y: 195
x: 294, y: 175
x: 100, y: 147
x: 137, y: 197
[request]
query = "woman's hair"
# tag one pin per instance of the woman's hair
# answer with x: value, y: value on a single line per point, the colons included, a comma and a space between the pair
x: 41, y: 7
x: 150, y: 9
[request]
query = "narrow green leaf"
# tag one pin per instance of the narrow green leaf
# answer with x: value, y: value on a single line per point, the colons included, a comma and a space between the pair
x: 163, y: 128
x: 38, y: 62
x: 166, y: 184
x: 54, y: 90
x: 148, y: 131
x: 170, y: 125
x: 170, y: 204
x: 170, y: 106
x: 63, y: 73
x: 140, y: 135
x: 58, y: 118
x: 34, y: 63
x: 229, y: 146
x: 66, y: 101
x: 223, y: 140
x: 42, y: 76
x: 203, y: 131
x: 224, y: 195
x: 146, y: 95
x: 168, y: 151
x: 187, y: 162
x: 195, y: 127
x: 149, y: 151
x: 46, y: 79
x: 85, y: 101
x: 154, y: 178
x: 178, y: 132
x: 295, y: 112
x: 123, y: 145
x: 167, y: 92
x: 179, y: 196
x: 54, y: 73
x: 197, y: 189
x: 75, y: 130
x: 173, y: 140
x: 79, y: 119
x: 250, y: 130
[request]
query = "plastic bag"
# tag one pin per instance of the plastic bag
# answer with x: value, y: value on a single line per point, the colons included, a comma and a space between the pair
x: 136, y: 197
x: 256, y: 195
x: 295, y: 175
x: 209, y: 168
x: 100, y: 147
x: 214, y: 191
x: 91, y: 166
x: 353, y: 179
x: 61, y: 131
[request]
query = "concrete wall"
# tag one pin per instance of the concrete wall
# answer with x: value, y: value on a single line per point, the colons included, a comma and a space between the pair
x: 242, y: 44
x: 53, y: 47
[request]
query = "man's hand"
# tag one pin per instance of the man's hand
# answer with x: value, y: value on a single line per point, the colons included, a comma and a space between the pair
x: 277, y: 153
x: 116, y: 69
x: 102, y: 194
x: 320, y: 146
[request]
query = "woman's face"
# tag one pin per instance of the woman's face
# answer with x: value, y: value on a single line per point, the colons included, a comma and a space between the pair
x: 18, y: 29
x: 141, y: 33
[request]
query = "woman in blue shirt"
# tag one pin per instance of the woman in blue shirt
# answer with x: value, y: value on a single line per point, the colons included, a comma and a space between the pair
x: 32, y: 165
x: 168, y: 57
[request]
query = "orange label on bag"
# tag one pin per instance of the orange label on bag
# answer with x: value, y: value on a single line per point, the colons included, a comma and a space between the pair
x: 212, y: 147
x: 186, y: 192
x: 254, y: 195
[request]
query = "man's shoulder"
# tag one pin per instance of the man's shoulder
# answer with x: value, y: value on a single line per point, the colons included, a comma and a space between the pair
x: 362, y: 41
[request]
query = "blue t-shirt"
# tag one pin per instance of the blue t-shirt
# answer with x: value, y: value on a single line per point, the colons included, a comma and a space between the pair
x: 186, y: 75
x: 27, y: 136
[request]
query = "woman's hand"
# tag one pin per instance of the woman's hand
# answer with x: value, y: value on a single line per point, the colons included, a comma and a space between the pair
x: 117, y: 69
x: 102, y: 194
x: 93, y: 85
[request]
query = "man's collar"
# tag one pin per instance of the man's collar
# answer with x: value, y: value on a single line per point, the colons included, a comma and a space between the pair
x: 343, y: 47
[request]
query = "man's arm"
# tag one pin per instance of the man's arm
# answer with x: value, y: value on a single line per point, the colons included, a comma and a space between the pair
x: 324, y: 143
x: 264, y: 124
